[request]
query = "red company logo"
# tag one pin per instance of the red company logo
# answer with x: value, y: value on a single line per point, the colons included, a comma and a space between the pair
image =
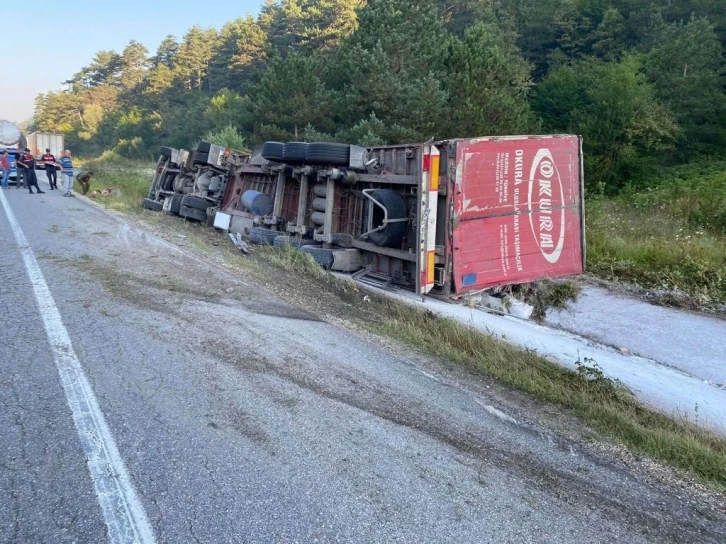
x: 546, y: 200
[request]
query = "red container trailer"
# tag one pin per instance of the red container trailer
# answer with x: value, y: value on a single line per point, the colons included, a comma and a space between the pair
x: 452, y: 218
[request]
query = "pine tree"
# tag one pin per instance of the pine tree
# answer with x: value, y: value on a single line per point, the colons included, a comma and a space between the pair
x: 191, y: 64
x: 488, y: 83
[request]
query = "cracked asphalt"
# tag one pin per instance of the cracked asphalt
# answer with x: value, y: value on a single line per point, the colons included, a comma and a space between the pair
x: 243, y: 418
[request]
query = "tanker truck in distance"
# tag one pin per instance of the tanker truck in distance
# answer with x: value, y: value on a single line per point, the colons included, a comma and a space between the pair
x: 12, y: 140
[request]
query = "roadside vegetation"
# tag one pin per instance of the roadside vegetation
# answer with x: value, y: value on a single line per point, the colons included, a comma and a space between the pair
x: 118, y: 183
x: 667, y: 237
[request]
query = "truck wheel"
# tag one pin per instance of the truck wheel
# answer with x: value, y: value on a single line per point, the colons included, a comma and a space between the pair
x: 392, y: 234
x: 193, y: 213
x: 175, y: 204
x: 272, y: 151
x: 324, y: 257
x: 294, y: 152
x: 204, y: 147
x: 264, y: 237
x: 191, y: 201
x: 165, y: 151
x: 152, y: 205
x: 167, y: 183
x: 282, y: 241
x: 328, y: 153
x: 199, y: 157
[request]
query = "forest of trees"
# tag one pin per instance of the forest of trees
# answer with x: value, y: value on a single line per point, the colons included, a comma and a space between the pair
x: 642, y: 80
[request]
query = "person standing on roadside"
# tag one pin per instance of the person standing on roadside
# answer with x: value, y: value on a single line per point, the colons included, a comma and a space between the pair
x: 26, y: 161
x: 4, y: 169
x: 49, y: 161
x: 66, y: 163
x: 19, y: 177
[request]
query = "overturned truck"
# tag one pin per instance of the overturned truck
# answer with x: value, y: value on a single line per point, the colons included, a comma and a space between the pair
x: 450, y: 218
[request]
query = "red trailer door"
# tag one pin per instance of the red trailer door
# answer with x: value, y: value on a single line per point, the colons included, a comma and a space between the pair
x: 518, y: 210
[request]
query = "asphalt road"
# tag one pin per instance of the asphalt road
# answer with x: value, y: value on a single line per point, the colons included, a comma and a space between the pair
x: 242, y: 418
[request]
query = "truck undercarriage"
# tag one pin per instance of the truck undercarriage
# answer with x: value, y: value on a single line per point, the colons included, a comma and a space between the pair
x: 449, y: 218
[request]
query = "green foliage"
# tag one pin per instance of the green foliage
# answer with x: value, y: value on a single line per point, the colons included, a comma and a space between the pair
x: 685, y: 62
x: 227, y: 136
x: 644, y: 243
x: 615, y: 109
x: 694, y: 194
x: 488, y: 85
x: 291, y: 107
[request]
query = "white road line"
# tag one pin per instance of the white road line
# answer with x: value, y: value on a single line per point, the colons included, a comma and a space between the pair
x: 124, y: 514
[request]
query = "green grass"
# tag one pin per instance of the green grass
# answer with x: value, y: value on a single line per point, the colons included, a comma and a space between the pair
x: 292, y: 259
x: 129, y: 189
x: 598, y: 401
x: 656, y: 249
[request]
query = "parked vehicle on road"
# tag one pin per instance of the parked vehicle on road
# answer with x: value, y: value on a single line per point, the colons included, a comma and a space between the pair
x: 38, y: 142
x: 451, y: 218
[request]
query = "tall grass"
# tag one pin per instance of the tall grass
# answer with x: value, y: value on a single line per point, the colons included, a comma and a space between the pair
x: 656, y: 249
x: 128, y: 189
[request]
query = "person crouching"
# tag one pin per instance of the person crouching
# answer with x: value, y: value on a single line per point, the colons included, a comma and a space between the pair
x: 85, y: 181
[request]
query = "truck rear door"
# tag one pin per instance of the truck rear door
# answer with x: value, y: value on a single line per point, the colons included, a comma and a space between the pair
x: 518, y: 211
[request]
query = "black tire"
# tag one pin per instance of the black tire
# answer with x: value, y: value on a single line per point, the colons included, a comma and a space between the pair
x: 294, y: 152
x: 153, y: 205
x: 199, y: 157
x: 168, y: 182
x: 324, y: 257
x: 272, y: 151
x: 319, y: 204
x: 204, y: 147
x: 328, y: 153
x: 191, y: 201
x: 175, y: 204
x: 165, y: 151
x: 193, y: 213
x: 392, y: 234
x: 263, y: 237
x: 282, y: 241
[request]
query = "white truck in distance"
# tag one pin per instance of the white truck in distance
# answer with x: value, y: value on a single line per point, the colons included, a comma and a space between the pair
x: 38, y: 142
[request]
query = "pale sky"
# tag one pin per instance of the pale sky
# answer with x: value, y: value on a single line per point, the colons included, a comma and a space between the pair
x: 48, y: 45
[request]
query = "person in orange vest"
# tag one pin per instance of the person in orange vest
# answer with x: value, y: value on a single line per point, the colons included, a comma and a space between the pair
x: 50, y: 169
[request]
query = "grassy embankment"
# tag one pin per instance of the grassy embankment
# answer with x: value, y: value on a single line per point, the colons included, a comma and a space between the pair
x: 130, y: 180
x: 628, y: 240
x: 669, y: 238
